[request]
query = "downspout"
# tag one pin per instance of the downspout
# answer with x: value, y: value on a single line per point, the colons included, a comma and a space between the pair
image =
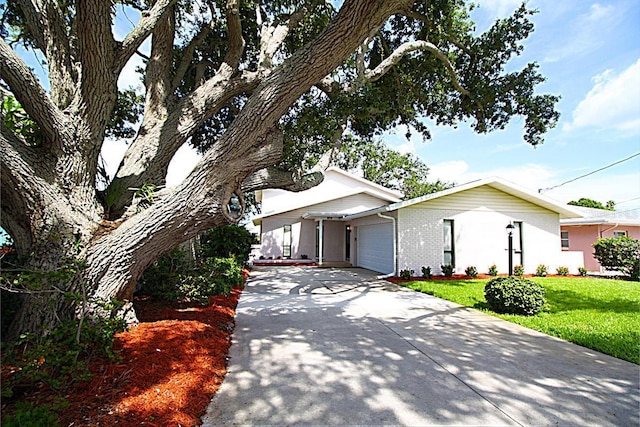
x: 610, y: 228
x: 320, y: 240
x: 395, y: 247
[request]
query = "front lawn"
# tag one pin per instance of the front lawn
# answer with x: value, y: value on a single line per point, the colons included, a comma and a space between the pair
x: 600, y: 314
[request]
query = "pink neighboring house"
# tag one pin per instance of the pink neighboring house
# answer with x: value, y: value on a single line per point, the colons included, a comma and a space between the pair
x: 579, y: 234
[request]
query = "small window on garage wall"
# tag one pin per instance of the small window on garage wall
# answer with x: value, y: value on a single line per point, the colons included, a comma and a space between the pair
x: 449, y: 246
x: 618, y: 234
x: 564, y: 240
x: 286, y: 244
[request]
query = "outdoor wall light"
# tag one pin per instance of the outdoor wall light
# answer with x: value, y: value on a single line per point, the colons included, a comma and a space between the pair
x: 510, y: 229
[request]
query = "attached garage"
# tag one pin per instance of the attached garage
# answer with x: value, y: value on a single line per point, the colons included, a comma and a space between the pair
x: 375, y: 247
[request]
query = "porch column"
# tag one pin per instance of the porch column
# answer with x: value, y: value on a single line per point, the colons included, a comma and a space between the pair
x: 320, y: 233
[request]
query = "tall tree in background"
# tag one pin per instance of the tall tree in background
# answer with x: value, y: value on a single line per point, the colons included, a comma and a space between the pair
x: 263, y: 88
x: 590, y: 203
x: 387, y: 167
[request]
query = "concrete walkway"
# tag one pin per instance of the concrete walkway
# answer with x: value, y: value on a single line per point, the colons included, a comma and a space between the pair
x: 319, y: 346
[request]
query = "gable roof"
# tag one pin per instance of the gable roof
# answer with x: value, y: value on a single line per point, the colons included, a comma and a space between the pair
x: 565, y: 211
x: 318, y: 194
x: 592, y: 216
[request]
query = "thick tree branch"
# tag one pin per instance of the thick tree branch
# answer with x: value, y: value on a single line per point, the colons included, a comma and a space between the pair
x: 235, y: 46
x: 58, y: 52
x: 33, y: 98
x: 272, y: 37
x: 35, y: 21
x: 159, y: 67
x: 272, y: 177
x: 406, y: 48
x: 188, y: 51
x: 142, y: 30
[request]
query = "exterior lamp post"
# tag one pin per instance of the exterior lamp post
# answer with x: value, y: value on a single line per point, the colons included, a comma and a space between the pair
x: 510, y: 229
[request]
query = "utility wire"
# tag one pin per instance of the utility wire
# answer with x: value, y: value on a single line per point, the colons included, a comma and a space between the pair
x: 541, y: 190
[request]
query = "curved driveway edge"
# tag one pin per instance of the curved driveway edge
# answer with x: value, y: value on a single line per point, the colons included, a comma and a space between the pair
x: 317, y: 346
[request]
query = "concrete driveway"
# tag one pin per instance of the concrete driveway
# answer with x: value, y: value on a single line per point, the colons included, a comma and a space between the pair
x: 319, y: 346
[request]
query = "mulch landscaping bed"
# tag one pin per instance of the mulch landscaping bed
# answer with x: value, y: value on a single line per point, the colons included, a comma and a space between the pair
x: 169, y: 368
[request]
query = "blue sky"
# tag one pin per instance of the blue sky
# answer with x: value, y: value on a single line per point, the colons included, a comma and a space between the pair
x: 590, y: 53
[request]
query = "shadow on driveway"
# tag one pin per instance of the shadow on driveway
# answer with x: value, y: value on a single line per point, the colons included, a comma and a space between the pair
x: 337, y: 346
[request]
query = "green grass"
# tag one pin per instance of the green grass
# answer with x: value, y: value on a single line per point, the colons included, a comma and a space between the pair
x: 600, y: 314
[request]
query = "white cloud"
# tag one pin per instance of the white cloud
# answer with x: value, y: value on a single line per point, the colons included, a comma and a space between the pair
x: 182, y: 164
x: 451, y: 171
x: 613, y: 102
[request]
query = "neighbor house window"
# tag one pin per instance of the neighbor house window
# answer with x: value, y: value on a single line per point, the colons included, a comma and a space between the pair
x: 518, y: 244
x: 618, y: 234
x: 449, y: 246
x: 286, y: 244
x: 564, y: 240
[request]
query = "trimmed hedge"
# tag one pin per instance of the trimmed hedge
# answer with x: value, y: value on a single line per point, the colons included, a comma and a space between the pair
x: 514, y: 295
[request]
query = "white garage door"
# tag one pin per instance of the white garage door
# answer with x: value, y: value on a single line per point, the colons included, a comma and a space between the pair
x: 375, y: 247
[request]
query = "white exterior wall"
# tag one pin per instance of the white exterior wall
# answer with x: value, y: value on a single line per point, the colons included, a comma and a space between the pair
x: 336, y: 184
x: 303, y: 231
x: 480, y: 216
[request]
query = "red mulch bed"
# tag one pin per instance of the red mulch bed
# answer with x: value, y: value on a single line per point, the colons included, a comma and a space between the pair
x: 170, y: 367
x: 173, y: 363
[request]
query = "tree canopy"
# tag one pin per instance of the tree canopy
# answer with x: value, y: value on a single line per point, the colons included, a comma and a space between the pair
x: 590, y: 203
x: 263, y: 89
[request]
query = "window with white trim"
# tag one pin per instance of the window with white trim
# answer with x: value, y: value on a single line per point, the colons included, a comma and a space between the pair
x: 449, y: 243
x: 564, y: 240
x: 618, y: 234
x: 286, y: 244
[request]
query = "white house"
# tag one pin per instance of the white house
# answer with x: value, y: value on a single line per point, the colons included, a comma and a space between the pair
x: 350, y: 219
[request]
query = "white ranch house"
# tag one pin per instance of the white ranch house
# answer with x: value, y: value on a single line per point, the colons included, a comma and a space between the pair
x: 347, y: 219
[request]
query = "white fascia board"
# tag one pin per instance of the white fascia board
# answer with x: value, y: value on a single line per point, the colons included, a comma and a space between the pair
x: 328, y: 199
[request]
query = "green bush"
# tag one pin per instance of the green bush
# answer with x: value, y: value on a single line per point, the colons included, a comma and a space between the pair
x: 213, y: 276
x: 27, y: 414
x: 518, y: 270
x: 426, y: 272
x: 541, y: 271
x: 471, y: 271
x: 161, y: 279
x: 406, y: 274
x: 620, y: 254
x: 59, y: 357
x: 562, y: 271
x: 582, y: 271
x: 514, y: 295
x: 447, y: 270
x: 493, y: 270
x: 226, y: 241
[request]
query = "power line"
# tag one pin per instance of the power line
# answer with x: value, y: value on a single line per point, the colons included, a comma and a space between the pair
x: 541, y: 190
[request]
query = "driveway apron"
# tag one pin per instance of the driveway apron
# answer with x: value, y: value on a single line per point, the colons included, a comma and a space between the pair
x: 317, y: 346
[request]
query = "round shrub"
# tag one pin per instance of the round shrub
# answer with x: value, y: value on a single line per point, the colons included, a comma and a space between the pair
x: 514, y: 295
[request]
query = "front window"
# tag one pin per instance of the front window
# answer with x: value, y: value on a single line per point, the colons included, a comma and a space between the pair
x: 286, y: 244
x: 449, y: 245
x: 564, y: 240
x: 618, y: 234
x: 518, y: 243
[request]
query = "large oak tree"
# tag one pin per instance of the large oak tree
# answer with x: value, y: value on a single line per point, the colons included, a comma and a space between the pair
x: 263, y: 89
